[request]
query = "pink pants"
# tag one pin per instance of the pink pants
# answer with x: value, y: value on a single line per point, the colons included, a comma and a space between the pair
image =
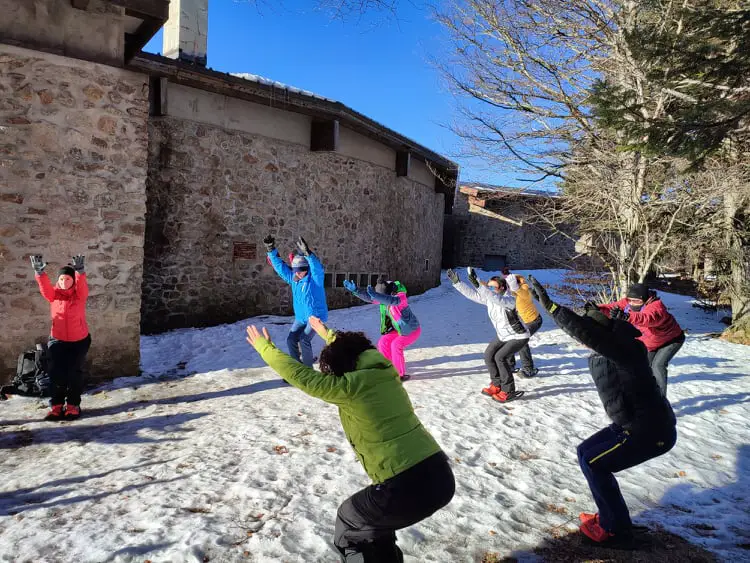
x: 392, y: 346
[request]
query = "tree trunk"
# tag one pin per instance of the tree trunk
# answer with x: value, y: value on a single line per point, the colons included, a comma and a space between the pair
x: 739, y: 258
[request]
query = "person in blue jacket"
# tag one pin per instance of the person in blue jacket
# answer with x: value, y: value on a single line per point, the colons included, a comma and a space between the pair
x: 308, y: 295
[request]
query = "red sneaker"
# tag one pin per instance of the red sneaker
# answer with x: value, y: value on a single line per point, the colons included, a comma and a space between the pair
x: 586, y: 517
x: 595, y: 532
x: 504, y: 397
x: 491, y: 390
x: 55, y: 413
x: 72, y: 412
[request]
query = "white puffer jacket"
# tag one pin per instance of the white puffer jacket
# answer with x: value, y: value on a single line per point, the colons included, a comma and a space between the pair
x: 501, y: 308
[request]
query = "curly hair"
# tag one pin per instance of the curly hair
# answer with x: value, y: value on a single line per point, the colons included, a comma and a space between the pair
x: 340, y: 356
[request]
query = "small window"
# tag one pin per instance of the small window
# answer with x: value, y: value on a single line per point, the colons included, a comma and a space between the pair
x: 340, y: 278
x: 374, y: 279
x: 426, y: 265
x: 328, y: 280
x: 364, y: 280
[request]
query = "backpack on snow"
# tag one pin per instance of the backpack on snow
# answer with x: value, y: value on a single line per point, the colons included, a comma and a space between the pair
x: 31, y: 377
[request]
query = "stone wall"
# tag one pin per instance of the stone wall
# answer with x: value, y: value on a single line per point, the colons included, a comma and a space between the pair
x: 477, y: 238
x: 213, y: 194
x: 73, y: 156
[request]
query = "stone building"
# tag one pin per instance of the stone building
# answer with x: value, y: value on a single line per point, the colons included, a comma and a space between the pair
x: 168, y: 175
x: 492, y: 227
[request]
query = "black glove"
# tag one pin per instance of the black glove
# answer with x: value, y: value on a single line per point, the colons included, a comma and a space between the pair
x: 473, y: 277
x: 617, y: 313
x: 38, y: 263
x: 270, y: 243
x: 590, y: 306
x: 303, y: 247
x: 77, y: 264
x: 453, y: 276
x: 541, y: 295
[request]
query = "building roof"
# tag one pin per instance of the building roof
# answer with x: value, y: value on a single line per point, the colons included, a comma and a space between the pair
x: 490, y: 191
x: 268, y: 92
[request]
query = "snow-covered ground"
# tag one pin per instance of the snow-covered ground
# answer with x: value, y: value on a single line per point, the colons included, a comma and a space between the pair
x: 211, y: 457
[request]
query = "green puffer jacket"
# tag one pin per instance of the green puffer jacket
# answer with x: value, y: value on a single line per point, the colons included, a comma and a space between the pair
x: 375, y: 410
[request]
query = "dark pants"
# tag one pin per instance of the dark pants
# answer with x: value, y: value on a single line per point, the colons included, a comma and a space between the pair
x: 367, y: 521
x: 498, y: 356
x: 609, y: 451
x: 300, y: 340
x: 66, y: 369
x: 527, y: 362
x: 659, y: 359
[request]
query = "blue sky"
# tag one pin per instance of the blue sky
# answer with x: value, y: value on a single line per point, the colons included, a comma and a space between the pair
x: 376, y: 65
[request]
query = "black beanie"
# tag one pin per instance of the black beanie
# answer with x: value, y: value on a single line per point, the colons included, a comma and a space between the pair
x: 638, y: 291
x: 67, y: 271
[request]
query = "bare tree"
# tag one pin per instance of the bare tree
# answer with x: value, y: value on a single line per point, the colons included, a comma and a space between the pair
x: 525, y: 70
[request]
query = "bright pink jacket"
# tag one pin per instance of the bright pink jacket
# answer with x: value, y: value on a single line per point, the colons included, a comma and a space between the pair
x: 657, y: 325
x: 67, y: 308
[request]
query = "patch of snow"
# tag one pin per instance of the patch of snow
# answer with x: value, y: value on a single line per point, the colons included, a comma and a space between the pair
x: 210, y: 455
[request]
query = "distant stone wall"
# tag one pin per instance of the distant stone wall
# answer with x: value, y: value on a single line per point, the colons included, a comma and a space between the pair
x: 214, y: 193
x: 484, y: 241
x: 73, y: 156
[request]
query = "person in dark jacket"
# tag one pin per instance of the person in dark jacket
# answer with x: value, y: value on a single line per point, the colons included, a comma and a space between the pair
x: 306, y: 276
x: 643, y: 424
x: 411, y: 476
x: 660, y: 331
x: 69, y: 339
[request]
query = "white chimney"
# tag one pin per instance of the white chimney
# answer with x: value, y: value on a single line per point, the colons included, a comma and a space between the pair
x: 186, y: 31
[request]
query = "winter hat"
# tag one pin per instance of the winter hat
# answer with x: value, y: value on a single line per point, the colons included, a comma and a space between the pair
x: 638, y: 291
x: 299, y: 264
x: 67, y: 271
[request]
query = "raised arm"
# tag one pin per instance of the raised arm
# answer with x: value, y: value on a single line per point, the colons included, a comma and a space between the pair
x: 329, y: 388
x: 607, y: 307
x: 475, y: 295
x: 282, y: 269
x: 650, y: 314
x: 385, y: 299
x: 352, y: 288
x: 45, y: 286
x: 82, y: 284
x: 317, y: 271
x: 591, y: 334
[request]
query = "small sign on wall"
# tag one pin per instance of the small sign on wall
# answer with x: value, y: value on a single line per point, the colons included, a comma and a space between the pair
x: 244, y: 251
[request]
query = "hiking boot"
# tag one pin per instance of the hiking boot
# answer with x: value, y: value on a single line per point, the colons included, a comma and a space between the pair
x: 503, y: 397
x: 592, y: 530
x: 491, y: 390
x: 405, y: 377
x: 528, y: 373
x: 72, y: 412
x: 55, y: 413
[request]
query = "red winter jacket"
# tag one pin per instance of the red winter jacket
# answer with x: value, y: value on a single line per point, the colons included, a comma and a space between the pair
x: 67, y: 308
x: 657, y: 325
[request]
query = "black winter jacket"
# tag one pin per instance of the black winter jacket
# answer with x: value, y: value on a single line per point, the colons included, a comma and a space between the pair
x: 621, y: 372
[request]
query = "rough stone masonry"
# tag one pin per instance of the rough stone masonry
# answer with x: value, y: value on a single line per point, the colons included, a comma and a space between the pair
x: 73, y: 157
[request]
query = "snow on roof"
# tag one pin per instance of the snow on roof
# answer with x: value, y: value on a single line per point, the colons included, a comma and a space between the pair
x: 276, y: 84
x: 481, y: 186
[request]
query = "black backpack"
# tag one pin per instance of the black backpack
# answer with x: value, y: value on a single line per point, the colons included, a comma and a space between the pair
x: 31, y: 375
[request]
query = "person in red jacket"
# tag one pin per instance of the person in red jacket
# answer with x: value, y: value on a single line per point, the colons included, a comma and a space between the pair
x: 69, y: 340
x: 661, y: 333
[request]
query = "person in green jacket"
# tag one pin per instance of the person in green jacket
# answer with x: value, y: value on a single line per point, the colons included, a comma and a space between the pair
x: 411, y: 476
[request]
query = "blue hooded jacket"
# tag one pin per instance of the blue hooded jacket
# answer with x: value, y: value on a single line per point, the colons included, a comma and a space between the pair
x: 308, y: 294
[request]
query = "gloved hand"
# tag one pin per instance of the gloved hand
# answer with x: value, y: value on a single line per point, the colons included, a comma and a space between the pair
x: 270, y: 243
x: 617, y: 313
x: 303, y: 247
x: 38, y: 263
x: 590, y: 306
x: 78, y: 265
x: 541, y: 295
x: 473, y: 277
x: 350, y: 286
x: 452, y: 276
